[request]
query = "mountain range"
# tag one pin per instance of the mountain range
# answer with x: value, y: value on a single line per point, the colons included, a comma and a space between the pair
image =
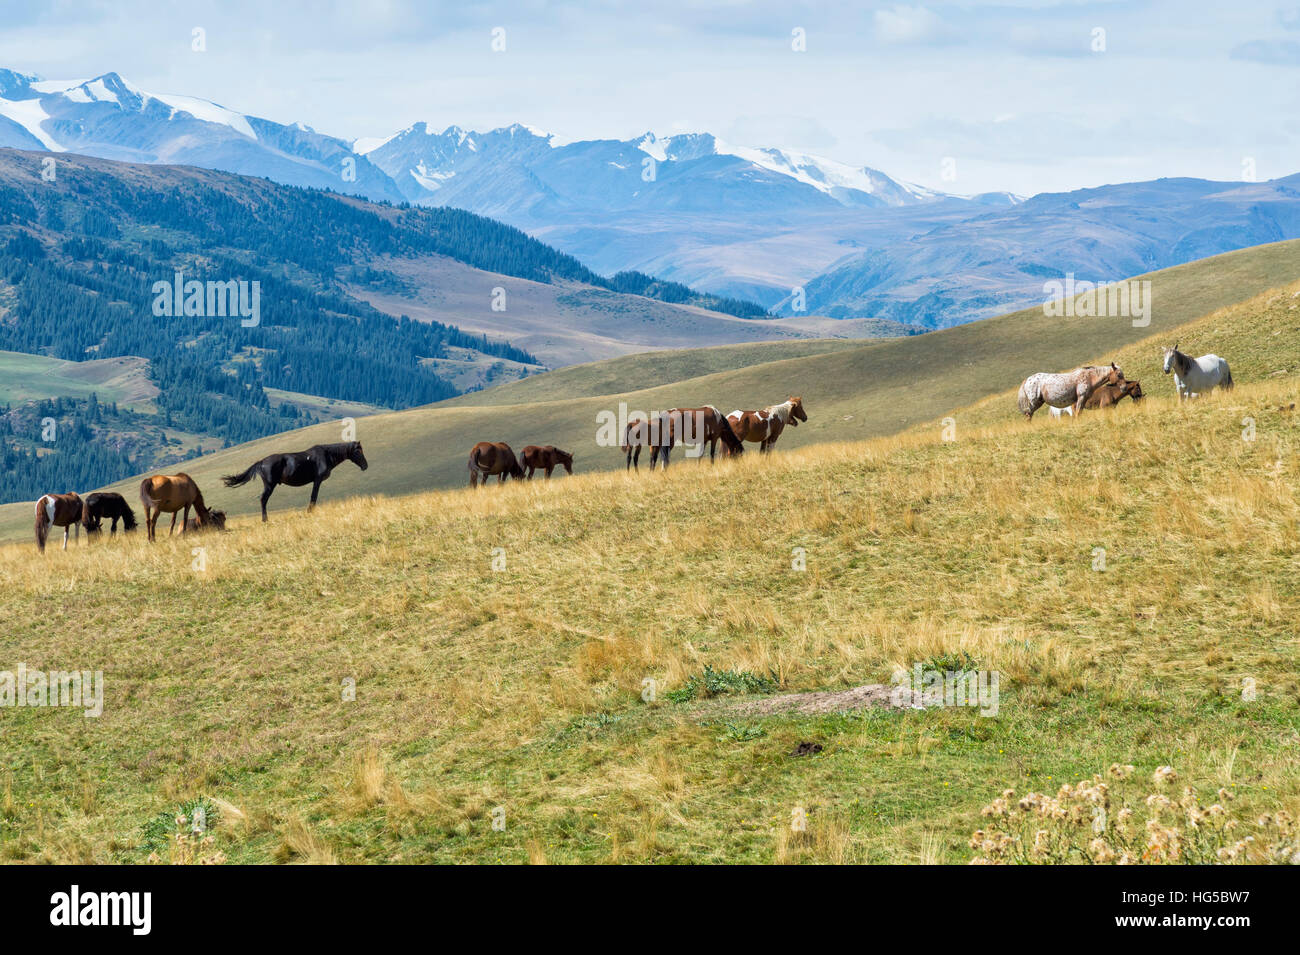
x: 795, y: 233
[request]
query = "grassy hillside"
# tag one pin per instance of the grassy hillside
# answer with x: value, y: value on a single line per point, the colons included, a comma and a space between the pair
x: 32, y: 377
x: 518, y: 690
x: 851, y: 393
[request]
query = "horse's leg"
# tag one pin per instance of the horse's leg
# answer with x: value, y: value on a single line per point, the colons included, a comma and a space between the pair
x: 549, y: 469
x: 315, y: 490
x: 636, y: 460
x: 66, y: 528
x: 173, y: 527
x: 267, y: 488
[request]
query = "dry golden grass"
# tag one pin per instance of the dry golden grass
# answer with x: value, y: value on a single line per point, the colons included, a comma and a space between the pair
x: 517, y: 693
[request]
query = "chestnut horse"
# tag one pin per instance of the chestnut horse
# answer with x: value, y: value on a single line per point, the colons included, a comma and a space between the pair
x: 695, y: 426
x: 549, y: 458
x: 765, y: 426
x: 1105, y: 397
x: 57, y: 510
x: 172, y: 493
x: 488, y: 458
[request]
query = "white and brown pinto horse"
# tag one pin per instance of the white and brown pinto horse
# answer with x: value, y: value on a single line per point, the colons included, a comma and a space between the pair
x: 1067, y: 389
x: 173, y: 493
x: 1196, y: 376
x: 58, y: 510
x: 764, y: 427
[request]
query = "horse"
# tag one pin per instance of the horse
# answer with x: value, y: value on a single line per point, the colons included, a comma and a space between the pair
x: 1105, y: 397
x: 488, y: 458
x: 701, y: 426
x: 104, y: 504
x: 1195, y: 376
x: 548, y: 457
x: 1070, y: 388
x: 639, y: 432
x: 217, y: 520
x: 57, y: 510
x: 299, y: 469
x: 172, y: 493
x: 765, y: 426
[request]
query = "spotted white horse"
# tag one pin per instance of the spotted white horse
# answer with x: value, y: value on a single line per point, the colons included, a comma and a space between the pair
x: 1067, y: 389
x: 1196, y: 376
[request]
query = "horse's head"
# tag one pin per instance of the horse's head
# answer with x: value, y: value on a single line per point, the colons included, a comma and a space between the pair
x: 797, y: 413
x: 357, y: 456
x: 1134, y: 390
x: 565, y: 458
x: 217, y: 519
x: 1169, y: 357
x: 1114, y: 375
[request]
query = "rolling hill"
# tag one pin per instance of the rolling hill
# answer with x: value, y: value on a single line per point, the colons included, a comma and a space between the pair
x: 596, y: 669
x: 851, y: 393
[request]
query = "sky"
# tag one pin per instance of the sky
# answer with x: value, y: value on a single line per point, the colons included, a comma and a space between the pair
x: 1024, y: 96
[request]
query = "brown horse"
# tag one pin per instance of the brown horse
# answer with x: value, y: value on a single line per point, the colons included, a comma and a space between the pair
x: 493, y: 457
x: 1108, y: 395
x: 765, y: 426
x: 658, y: 432
x: 57, y: 510
x: 1105, y: 397
x: 702, y: 426
x: 172, y: 493
x: 216, y: 520
x: 549, y: 458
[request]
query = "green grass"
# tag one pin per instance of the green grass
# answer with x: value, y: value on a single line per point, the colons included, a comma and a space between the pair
x: 32, y: 377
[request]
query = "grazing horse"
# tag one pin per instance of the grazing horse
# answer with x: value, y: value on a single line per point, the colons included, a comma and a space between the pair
x: 172, y: 493
x: 702, y: 426
x: 635, y: 436
x: 488, y: 458
x: 1066, y: 389
x: 105, y: 504
x: 1105, y: 397
x: 299, y: 469
x: 766, y: 426
x: 548, y: 458
x: 57, y: 510
x: 1195, y: 376
x: 217, y: 519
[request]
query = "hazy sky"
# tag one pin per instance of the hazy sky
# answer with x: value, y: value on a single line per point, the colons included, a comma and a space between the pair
x: 1014, y: 93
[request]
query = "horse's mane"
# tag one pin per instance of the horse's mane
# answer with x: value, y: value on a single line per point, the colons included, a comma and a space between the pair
x: 782, y: 410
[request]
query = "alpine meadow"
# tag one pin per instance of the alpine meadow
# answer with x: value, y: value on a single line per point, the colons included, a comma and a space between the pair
x: 385, y: 480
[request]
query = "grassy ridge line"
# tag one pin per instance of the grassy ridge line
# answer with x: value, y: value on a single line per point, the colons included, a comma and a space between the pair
x: 521, y: 687
x: 851, y: 394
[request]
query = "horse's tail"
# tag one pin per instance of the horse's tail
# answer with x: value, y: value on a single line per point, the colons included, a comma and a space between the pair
x: 729, y: 436
x: 1226, y: 381
x: 145, y: 497
x: 239, y: 480
x: 42, y: 523
x: 1023, y: 401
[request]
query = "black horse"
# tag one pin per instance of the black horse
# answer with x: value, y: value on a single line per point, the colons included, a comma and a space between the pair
x: 299, y: 469
x: 104, y: 504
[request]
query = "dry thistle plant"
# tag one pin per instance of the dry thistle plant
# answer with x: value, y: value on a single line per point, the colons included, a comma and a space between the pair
x: 189, y: 845
x: 1115, y: 820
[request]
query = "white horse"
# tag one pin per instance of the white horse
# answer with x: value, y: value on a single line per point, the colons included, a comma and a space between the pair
x: 1195, y: 376
x: 1069, y: 389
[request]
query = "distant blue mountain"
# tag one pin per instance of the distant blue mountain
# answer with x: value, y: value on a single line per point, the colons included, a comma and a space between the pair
x: 769, y: 225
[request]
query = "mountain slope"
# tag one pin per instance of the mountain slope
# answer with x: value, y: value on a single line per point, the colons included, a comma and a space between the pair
x: 534, y: 654
x: 851, y: 393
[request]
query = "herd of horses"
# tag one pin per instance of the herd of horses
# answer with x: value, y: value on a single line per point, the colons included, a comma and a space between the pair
x: 1091, y: 386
